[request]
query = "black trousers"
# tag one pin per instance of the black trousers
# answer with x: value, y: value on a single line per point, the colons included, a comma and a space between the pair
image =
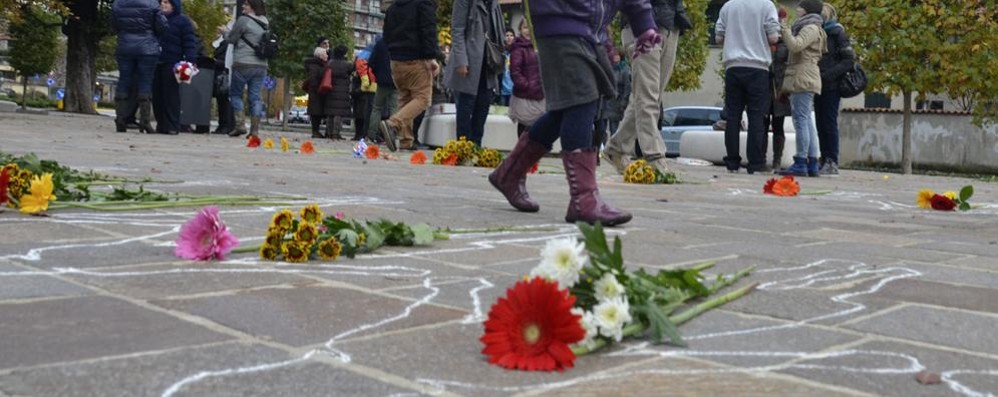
x: 746, y: 90
x: 166, y: 99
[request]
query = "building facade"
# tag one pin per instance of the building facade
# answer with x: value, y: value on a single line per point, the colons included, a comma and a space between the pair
x: 366, y: 20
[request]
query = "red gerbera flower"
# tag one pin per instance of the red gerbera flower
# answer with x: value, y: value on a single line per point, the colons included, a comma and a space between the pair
x: 450, y: 160
x: 307, y: 147
x: 768, y: 187
x: 530, y: 329
x: 783, y: 187
x: 942, y: 203
x: 253, y: 141
x: 534, y: 168
x: 371, y: 152
x: 4, y: 180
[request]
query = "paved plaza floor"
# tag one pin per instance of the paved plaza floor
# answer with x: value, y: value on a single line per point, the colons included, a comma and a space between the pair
x: 859, y: 291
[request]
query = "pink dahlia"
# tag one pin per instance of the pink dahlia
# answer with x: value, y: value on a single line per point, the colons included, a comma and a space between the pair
x: 205, y: 237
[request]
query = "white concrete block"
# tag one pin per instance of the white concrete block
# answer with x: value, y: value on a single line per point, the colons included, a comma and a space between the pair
x: 709, y: 145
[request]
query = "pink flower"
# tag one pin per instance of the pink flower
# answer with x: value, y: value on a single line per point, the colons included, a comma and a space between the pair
x: 340, y: 215
x: 205, y: 237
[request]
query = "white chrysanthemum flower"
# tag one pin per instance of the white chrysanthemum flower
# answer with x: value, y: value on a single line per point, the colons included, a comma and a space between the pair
x: 608, y: 288
x: 561, y: 261
x: 611, y: 316
x: 588, y: 323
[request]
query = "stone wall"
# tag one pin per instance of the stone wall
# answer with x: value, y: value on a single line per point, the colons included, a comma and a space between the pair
x: 939, y: 139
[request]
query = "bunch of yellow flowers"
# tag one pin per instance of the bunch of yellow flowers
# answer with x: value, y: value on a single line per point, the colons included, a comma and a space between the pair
x: 296, y: 240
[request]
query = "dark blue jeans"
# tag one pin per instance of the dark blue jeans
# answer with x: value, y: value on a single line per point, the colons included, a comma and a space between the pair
x: 135, y: 70
x: 473, y: 111
x: 746, y: 89
x: 826, y: 113
x: 573, y: 125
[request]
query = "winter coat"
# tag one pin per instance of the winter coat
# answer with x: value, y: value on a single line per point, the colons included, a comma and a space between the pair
x: 411, y: 30
x: 139, y: 24
x: 806, y: 47
x: 381, y: 65
x: 615, y: 107
x: 586, y: 18
x: 338, y: 103
x: 777, y: 72
x: 840, y: 57
x: 242, y: 54
x: 178, y: 42
x: 314, y: 68
x: 473, y: 21
x: 525, y: 69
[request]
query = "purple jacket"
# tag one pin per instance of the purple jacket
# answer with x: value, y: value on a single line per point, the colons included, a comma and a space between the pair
x: 587, y: 18
x: 525, y: 70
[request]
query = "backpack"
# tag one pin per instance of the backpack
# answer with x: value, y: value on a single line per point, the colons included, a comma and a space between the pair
x: 268, y: 45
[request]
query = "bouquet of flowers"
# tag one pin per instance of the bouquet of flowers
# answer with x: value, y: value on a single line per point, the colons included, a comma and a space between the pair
x: 639, y: 171
x: 948, y: 201
x: 464, y: 152
x: 184, y: 71
x: 580, y: 298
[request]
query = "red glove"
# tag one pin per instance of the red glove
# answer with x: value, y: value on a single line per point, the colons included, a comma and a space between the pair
x: 644, y: 43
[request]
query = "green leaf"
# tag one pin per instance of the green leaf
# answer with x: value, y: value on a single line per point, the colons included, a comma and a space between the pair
x: 660, y: 325
x: 375, y: 238
x: 966, y: 193
x: 422, y: 234
x: 964, y: 206
x: 347, y: 236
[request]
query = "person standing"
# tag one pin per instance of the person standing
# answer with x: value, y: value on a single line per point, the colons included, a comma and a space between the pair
x: 138, y: 23
x: 506, y: 86
x: 315, y: 67
x: 806, y: 41
x: 780, y: 107
x: 178, y: 43
x: 616, y: 107
x: 226, y: 120
x: 248, y: 69
x: 527, y: 104
x: 575, y: 73
x: 386, y: 98
x: 477, y: 31
x: 363, y: 88
x: 839, y: 59
x: 746, y: 29
x: 411, y: 36
x: 338, y: 104
x: 651, y: 76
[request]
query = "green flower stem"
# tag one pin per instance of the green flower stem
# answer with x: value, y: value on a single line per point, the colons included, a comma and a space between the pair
x: 678, y: 319
x: 814, y: 192
x: 138, y: 206
x: 499, y: 229
x: 247, y: 249
x: 704, y: 266
x: 726, y: 281
x: 440, y: 235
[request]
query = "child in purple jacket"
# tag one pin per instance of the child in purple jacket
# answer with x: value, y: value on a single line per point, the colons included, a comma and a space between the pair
x: 575, y: 74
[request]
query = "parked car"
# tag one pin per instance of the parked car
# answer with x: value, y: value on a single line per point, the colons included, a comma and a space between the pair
x: 298, y: 114
x: 677, y: 120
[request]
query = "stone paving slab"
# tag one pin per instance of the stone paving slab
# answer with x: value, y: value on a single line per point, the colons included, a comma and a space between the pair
x: 88, y: 327
x: 25, y: 287
x: 939, y: 294
x: 959, y: 329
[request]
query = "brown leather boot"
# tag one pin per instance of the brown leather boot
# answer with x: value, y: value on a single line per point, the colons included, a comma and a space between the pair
x: 510, y: 178
x: 586, y: 204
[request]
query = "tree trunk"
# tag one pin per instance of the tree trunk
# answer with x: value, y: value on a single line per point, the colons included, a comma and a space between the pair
x: 81, y: 57
x: 906, y: 135
x: 24, y: 94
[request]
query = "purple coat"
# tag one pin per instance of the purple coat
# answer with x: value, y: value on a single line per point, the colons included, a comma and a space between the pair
x: 587, y: 18
x: 525, y: 70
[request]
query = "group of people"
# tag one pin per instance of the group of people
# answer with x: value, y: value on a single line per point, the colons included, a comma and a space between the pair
x: 154, y: 36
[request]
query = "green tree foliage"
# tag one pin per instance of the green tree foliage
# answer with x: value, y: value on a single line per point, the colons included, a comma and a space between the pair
x: 36, y: 36
x: 299, y: 23
x: 208, y: 15
x: 13, y: 10
x: 691, y: 57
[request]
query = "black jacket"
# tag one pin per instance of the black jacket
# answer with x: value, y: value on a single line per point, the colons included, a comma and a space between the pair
x: 380, y: 64
x: 839, y: 59
x: 669, y: 15
x: 411, y: 30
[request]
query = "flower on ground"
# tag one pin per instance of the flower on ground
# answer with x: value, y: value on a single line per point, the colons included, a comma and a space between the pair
x: 489, y: 158
x: 938, y: 202
x: 39, y: 195
x: 924, y: 199
x: 532, y: 327
x: 450, y: 160
x: 330, y: 249
x: 588, y: 323
x: 275, y: 237
x: 950, y: 195
x: 608, y: 288
x: 786, y: 187
x: 268, y: 143
x: 311, y: 214
x: 295, y: 252
x: 768, y: 187
x: 307, y: 148
x: 253, y: 141
x: 639, y: 171
x: 561, y: 261
x: 340, y: 215
x: 418, y: 158
x: 205, y: 237
x: 269, y: 252
x: 285, y: 146
x: 4, y: 180
x: 306, y: 234
x: 372, y: 152
x: 611, y: 316
x: 282, y: 221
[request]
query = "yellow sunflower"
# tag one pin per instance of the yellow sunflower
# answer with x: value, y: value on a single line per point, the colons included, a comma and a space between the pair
x: 282, y: 220
x: 311, y: 214
x: 639, y: 171
x: 924, y: 199
x: 489, y: 158
x: 40, y: 195
x: 268, y: 252
x: 275, y: 237
x: 306, y: 233
x: 295, y: 252
x: 950, y: 195
x: 330, y: 249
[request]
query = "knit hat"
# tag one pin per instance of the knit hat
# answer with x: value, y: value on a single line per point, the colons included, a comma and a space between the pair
x: 812, y: 6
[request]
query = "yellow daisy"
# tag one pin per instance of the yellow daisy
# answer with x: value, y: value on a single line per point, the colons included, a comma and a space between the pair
x: 275, y: 238
x: 295, y: 252
x: 311, y: 214
x: 268, y: 143
x: 306, y: 233
x: 282, y: 220
x: 268, y: 252
x: 951, y: 195
x: 40, y: 195
x: 330, y: 249
x: 285, y: 146
x: 924, y: 199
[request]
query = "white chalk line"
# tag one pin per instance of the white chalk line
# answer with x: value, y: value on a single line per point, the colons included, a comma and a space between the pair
x: 35, y: 253
x: 958, y: 387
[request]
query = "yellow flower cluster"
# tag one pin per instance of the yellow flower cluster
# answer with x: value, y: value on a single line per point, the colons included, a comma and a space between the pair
x: 464, y: 152
x: 639, y: 171
x: 20, y: 180
x: 444, y: 37
x: 304, y: 237
x: 489, y: 158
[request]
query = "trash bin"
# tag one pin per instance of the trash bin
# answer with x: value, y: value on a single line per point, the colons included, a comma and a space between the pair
x: 196, y: 97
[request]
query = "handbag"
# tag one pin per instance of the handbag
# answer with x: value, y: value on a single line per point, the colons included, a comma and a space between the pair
x: 326, y: 84
x: 853, y: 82
x: 221, y: 86
x: 494, y: 61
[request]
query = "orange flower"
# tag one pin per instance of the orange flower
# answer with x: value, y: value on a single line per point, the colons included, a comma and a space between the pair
x: 786, y: 187
x: 768, y: 187
x: 418, y: 158
x: 253, y: 141
x: 371, y: 152
x: 451, y: 160
x: 307, y: 147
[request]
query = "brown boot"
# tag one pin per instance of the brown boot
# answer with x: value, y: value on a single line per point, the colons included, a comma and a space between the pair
x: 254, y: 126
x: 510, y: 178
x: 586, y: 205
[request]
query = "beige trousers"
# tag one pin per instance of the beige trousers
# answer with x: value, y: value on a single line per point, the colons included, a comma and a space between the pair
x: 651, y: 73
x: 414, y: 82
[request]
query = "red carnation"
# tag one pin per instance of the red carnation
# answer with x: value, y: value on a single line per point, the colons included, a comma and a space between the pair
x: 4, y: 180
x: 533, y: 168
x: 942, y: 203
x: 530, y: 329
